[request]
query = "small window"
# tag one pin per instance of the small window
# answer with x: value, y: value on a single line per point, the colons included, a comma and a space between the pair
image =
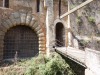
x: 6, y: 3
x: 59, y: 8
x: 38, y: 5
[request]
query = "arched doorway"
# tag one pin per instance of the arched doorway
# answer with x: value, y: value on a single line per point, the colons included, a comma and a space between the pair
x: 21, y: 40
x: 60, y: 35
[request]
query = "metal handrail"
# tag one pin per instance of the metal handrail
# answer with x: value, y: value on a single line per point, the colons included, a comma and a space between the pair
x: 56, y: 42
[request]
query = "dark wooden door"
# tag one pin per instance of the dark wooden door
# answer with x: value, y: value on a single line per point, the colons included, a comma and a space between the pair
x: 20, y: 39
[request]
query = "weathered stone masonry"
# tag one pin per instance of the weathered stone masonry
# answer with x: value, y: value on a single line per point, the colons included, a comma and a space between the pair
x: 16, y: 19
x: 42, y: 22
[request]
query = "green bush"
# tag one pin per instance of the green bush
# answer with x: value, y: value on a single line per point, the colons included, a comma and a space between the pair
x: 91, y: 19
x: 53, y: 65
x: 41, y: 65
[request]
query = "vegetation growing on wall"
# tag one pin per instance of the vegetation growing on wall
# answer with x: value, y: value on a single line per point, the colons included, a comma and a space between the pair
x: 91, y: 19
x: 78, y: 20
x: 88, y: 25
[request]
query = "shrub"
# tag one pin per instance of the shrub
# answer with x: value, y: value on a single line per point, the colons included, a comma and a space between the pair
x: 54, y: 65
x: 91, y: 19
x: 41, y: 65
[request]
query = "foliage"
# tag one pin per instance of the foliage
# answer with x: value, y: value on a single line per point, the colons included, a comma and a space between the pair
x: 79, y: 20
x: 54, y: 65
x: 41, y: 65
x: 84, y: 43
x: 91, y: 19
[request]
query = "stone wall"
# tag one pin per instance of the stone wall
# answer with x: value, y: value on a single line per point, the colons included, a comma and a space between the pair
x: 64, y: 21
x: 25, y: 12
x: 85, y: 24
x: 20, y: 13
x: 1, y: 3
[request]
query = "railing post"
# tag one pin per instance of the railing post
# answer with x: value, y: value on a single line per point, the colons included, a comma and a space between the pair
x: 92, y: 61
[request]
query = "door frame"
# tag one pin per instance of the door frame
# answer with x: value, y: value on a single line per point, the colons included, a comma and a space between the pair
x: 64, y: 25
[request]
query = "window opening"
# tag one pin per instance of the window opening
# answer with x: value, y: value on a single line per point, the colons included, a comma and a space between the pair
x: 38, y: 5
x: 59, y: 8
x: 6, y: 3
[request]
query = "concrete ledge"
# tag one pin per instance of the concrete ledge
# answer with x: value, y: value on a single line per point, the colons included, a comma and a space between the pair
x: 88, y: 72
x: 75, y: 55
x: 92, y: 60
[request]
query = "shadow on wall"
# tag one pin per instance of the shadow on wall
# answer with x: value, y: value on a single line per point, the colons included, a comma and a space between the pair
x: 78, y: 69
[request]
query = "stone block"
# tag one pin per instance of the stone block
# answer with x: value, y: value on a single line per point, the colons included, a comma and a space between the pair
x: 17, y: 17
x: 39, y: 31
x: 41, y: 49
x: 45, y: 3
x: 37, y: 28
x: 32, y: 21
x: 12, y: 20
x: 42, y: 46
x: 28, y: 19
x: 41, y: 35
x: 5, y: 25
x: 2, y: 28
x: 41, y: 42
x: 23, y: 18
x: 35, y: 25
x: 41, y: 38
x: 9, y: 22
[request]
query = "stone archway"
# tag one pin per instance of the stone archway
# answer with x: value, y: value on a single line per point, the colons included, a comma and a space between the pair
x: 16, y: 19
x: 21, y: 39
x: 63, y: 26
